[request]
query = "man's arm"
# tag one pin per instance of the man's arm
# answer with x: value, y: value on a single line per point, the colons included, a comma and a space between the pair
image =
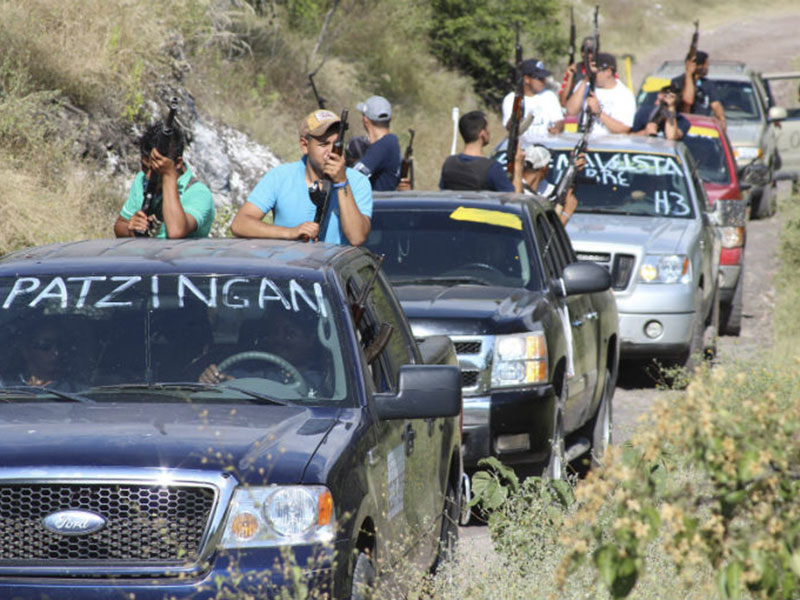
x: 612, y: 124
x: 248, y: 223
x: 518, y: 168
x: 576, y: 99
x: 566, y: 84
x: 719, y: 112
x: 355, y: 225
x: 688, y: 86
x: 178, y: 224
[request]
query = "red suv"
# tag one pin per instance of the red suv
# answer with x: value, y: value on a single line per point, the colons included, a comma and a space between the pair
x: 716, y: 166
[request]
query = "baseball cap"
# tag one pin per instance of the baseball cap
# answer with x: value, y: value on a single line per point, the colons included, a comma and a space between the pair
x: 534, y: 68
x: 537, y: 156
x: 376, y: 108
x: 317, y: 122
x: 605, y: 60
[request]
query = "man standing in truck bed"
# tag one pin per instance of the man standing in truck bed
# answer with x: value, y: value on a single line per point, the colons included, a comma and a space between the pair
x: 470, y: 170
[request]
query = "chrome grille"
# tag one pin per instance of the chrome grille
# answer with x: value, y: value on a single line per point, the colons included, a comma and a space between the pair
x: 469, y: 378
x: 468, y: 347
x: 620, y: 266
x: 145, y: 523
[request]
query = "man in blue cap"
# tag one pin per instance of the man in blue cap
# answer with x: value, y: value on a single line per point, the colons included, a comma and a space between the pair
x: 381, y: 160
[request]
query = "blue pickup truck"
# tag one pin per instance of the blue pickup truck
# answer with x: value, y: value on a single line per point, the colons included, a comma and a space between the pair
x: 536, y: 331
x: 193, y: 419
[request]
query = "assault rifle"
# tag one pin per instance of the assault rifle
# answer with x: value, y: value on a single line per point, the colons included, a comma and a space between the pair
x: 587, y: 118
x: 320, y: 99
x: 165, y: 146
x: 693, y: 45
x: 323, y: 201
x: 516, y: 111
x: 407, y: 165
x: 567, y: 181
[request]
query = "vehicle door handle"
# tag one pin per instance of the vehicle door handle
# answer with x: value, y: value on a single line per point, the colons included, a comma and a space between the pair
x: 408, y: 436
x: 431, y: 425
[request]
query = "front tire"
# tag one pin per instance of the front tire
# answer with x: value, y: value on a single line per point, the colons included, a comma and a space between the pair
x: 363, y: 587
x: 448, y: 535
x: 557, y: 463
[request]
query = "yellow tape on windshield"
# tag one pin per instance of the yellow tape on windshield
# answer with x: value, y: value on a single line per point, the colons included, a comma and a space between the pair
x: 490, y: 217
x: 655, y: 84
x: 703, y: 131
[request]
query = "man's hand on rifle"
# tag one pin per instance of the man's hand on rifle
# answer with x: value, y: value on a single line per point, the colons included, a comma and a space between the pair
x: 593, y: 103
x: 305, y: 231
x: 163, y: 165
x: 334, y: 167
x: 691, y: 67
x: 404, y: 185
x: 140, y: 223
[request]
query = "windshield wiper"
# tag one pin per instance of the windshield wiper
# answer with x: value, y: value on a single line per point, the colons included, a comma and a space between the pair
x: 453, y: 280
x: 190, y: 386
x: 31, y: 389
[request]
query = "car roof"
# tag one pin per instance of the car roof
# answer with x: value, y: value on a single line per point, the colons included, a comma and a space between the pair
x: 448, y: 198
x: 613, y: 142
x: 142, y: 255
x: 717, y: 69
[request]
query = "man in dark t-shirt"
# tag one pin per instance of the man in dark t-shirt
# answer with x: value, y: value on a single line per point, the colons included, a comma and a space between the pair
x: 381, y: 160
x: 697, y: 94
x: 661, y: 118
x: 470, y: 170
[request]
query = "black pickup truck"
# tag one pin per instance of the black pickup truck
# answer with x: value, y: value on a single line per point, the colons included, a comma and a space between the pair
x: 536, y: 332
x: 192, y: 419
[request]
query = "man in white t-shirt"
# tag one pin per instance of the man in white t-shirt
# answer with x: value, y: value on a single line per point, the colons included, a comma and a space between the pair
x: 542, y: 103
x: 612, y: 102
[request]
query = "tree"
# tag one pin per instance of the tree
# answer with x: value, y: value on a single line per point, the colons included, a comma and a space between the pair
x: 477, y: 38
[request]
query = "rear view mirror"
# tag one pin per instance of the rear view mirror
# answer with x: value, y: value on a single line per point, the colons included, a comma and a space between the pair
x: 423, y: 392
x: 585, y: 278
x: 777, y: 113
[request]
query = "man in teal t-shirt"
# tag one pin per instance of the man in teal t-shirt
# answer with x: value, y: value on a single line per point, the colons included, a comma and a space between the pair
x: 184, y: 207
x: 286, y: 191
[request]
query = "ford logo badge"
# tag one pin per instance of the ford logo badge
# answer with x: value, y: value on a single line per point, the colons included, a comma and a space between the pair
x: 74, y: 522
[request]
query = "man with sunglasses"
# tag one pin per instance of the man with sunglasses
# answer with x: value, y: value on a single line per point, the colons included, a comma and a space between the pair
x: 43, y: 356
x: 286, y: 191
x: 612, y: 103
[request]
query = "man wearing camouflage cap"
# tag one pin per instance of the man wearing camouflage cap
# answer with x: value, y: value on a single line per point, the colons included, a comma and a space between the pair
x: 286, y: 191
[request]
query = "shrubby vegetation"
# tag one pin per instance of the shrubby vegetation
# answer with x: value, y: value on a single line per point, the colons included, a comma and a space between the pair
x: 704, y: 502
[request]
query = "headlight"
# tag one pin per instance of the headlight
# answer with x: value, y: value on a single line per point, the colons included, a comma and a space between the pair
x: 672, y: 268
x: 747, y: 153
x: 732, y: 237
x: 279, y: 516
x: 519, y: 359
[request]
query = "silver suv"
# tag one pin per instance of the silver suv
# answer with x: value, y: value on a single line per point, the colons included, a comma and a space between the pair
x: 643, y: 214
x: 751, y: 124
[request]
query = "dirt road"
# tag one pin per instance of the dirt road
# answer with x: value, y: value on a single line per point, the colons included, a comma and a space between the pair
x: 636, y: 391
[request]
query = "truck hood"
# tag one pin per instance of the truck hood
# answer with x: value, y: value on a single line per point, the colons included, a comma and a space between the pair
x: 658, y: 235
x: 248, y: 439
x: 469, y: 309
x: 747, y: 133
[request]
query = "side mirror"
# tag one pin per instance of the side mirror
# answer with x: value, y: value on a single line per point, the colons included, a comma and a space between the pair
x: 744, y: 186
x: 585, y: 278
x: 438, y: 350
x: 423, y: 392
x: 777, y: 113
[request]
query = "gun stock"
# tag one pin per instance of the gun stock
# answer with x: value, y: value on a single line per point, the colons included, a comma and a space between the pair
x: 516, y: 111
x: 567, y: 181
x: 320, y: 99
x: 571, y: 35
x: 407, y: 165
x: 165, y: 144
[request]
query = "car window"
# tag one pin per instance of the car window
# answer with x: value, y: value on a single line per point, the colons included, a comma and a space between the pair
x: 629, y: 183
x: 739, y: 99
x: 461, y: 245
x: 548, y: 247
x: 80, y: 333
x: 706, y: 147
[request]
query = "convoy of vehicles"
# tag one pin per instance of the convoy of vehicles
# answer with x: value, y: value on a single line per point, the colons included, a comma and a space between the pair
x: 324, y: 433
x: 535, y: 331
x: 643, y: 214
x: 751, y: 123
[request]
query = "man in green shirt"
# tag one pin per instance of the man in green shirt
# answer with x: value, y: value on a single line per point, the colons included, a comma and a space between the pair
x: 184, y: 207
